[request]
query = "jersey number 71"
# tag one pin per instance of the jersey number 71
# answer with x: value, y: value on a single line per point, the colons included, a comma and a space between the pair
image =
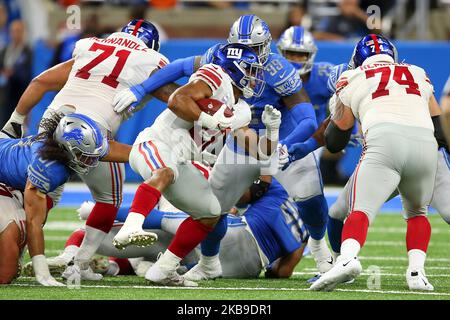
x: 107, y: 51
x: 402, y: 76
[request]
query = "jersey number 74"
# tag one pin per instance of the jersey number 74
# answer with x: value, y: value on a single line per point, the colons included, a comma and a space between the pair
x: 402, y: 76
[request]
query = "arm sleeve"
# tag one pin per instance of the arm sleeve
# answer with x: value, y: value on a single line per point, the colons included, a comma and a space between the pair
x: 305, y: 117
x: 334, y: 76
x: 285, y: 80
x: 209, y: 74
x: 46, y: 175
x: 170, y: 73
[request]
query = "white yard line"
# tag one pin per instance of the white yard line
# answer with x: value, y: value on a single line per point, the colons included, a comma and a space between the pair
x: 371, y: 274
x: 245, y: 289
x: 377, y: 258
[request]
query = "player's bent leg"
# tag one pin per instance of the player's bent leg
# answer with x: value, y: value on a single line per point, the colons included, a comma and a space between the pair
x: 9, y: 253
x: 153, y: 161
x: 366, y: 201
x: 209, y: 266
x: 441, y: 200
x: 416, y: 190
x: 105, y: 183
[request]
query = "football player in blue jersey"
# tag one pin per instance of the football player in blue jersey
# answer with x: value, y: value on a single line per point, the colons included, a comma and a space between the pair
x: 283, y: 91
x: 269, y: 235
x: 31, y: 169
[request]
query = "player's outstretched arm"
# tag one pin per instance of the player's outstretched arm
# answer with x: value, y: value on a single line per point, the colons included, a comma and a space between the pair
x: 118, y: 152
x: 36, y: 213
x: 50, y: 80
x: 159, y: 84
x: 303, y: 114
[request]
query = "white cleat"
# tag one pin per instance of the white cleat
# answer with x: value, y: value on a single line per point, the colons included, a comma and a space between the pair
x: 417, y: 280
x: 343, y: 271
x: 204, y: 272
x: 158, y: 276
x: 74, y: 273
x: 139, y: 238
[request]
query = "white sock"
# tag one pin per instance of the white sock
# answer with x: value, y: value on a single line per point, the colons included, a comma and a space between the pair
x: 92, y: 240
x: 134, y: 220
x: 319, y: 249
x: 416, y: 259
x: 69, y: 252
x: 168, y: 260
x: 350, y: 248
x: 209, y: 261
x: 335, y: 255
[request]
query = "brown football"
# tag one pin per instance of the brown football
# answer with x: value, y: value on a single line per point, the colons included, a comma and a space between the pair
x: 211, y: 106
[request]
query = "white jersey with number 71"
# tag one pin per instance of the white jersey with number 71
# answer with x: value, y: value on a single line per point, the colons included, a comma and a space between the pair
x: 103, y: 67
x: 382, y: 91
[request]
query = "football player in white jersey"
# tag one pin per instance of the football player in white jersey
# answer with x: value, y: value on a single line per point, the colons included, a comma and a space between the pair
x: 162, y: 155
x: 99, y: 68
x: 394, y: 103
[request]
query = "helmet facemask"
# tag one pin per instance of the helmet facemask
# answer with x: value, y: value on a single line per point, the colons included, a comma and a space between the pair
x: 252, y: 83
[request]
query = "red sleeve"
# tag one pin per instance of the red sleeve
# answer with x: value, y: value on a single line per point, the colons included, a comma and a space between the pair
x: 210, y: 75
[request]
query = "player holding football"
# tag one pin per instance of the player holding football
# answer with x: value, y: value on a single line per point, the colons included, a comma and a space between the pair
x: 284, y: 91
x: 393, y: 102
x: 162, y: 155
x: 98, y: 69
x: 32, y: 169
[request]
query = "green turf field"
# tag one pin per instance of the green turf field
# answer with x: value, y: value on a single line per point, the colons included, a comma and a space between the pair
x: 384, y: 251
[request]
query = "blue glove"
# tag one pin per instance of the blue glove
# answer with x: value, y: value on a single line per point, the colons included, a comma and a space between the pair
x: 300, y: 150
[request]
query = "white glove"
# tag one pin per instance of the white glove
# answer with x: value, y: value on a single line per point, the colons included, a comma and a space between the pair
x: 42, y: 272
x: 123, y: 100
x: 283, y: 156
x: 85, y: 210
x: 14, y: 127
x: 271, y: 117
x: 49, y: 281
x: 208, y: 158
x: 218, y: 121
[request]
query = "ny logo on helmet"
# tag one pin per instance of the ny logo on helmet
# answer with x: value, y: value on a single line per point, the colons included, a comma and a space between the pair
x: 234, y: 53
x: 75, y: 134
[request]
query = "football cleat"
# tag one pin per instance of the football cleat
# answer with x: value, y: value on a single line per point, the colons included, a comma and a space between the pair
x: 202, y: 271
x: 417, y: 280
x: 343, y: 271
x: 73, y: 272
x: 159, y: 276
x: 139, y: 238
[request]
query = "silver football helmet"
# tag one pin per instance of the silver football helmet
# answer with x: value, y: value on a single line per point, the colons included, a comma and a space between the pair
x: 298, y: 40
x: 83, y: 141
x: 254, y: 32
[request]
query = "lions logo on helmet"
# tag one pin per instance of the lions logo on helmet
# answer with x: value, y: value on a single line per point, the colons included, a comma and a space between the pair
x: 82, y: 139
x: 242, y: 64
x: 297, y: 45
x: 254, y: 32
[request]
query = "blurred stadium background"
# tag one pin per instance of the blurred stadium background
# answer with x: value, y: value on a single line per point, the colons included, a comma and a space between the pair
x: 43, y: 33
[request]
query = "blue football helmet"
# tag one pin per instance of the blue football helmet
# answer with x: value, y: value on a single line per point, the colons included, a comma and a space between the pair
x: 81, y: 138
x: 242, y: 64
x: 297, y: 40
x: 254, y: 32
x: 371, y: 45
x: 145, y: 31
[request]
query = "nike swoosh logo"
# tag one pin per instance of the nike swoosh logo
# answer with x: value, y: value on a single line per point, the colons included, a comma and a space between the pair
x: 345, y: 264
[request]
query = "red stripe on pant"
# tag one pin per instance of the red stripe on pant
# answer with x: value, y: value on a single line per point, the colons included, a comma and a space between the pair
x: 418, y: 233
